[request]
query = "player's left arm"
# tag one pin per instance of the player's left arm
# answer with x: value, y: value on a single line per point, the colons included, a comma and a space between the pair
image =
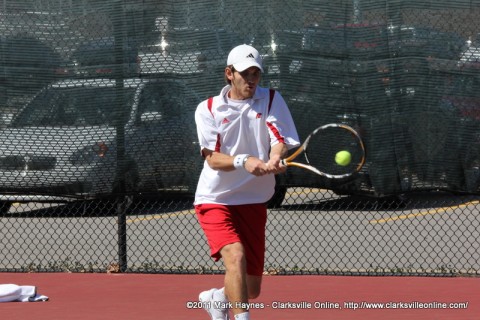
x: 283, y: 134
x: 280, y: 124
x: 277, y: 153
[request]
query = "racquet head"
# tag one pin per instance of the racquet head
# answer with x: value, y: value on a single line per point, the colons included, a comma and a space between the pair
x: 321, y: 147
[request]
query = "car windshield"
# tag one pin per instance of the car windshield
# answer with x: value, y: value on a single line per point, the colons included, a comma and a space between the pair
x: 167, y: 102
x: 80, y: 106
x: 102, y: 52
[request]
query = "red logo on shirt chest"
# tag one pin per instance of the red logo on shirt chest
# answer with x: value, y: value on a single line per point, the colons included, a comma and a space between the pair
x: 225, y: 120
x: 259, y: 115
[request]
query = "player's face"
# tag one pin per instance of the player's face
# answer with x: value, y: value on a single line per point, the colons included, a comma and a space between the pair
x: 244, y: 83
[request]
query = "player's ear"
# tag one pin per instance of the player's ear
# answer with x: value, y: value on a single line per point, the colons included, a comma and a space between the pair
x: 229, y: 72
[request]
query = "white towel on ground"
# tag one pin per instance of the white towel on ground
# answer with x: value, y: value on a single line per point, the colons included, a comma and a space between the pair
x: 13, y: 292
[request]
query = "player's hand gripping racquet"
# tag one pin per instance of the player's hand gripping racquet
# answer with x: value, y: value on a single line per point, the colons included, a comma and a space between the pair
x: 321, y: 147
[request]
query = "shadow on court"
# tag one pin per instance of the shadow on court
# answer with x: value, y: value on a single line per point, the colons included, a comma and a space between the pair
x: 101, y: 207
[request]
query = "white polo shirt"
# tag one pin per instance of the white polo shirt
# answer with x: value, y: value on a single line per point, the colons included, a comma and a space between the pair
x: 241, y: 127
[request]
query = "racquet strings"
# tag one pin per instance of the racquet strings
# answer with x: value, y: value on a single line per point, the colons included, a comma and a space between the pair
x: 324, y: 145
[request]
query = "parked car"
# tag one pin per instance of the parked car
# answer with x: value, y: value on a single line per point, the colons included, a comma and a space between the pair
x: 97, y: 58
x: 65, y: 141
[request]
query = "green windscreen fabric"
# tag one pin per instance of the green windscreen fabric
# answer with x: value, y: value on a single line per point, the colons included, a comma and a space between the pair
x: 97, y: 97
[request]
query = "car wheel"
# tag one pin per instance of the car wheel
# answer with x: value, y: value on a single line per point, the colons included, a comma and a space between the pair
x: 131, y: 179
x: 5, y: 207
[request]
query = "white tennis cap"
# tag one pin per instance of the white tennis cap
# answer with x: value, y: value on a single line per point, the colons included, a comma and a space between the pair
x: 243, y: 57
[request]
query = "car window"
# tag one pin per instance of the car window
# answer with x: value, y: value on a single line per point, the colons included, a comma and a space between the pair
x: 20, y: 51
x: 189, y: 41
x: 102, y: 52
x: 80, y: 106
x: 163, y: 100
x: 181, y: 41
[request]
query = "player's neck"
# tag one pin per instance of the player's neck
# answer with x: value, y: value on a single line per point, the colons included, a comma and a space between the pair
x: 234, y: 94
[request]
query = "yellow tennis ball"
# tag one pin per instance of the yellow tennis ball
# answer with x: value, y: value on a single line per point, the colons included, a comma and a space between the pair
x: 343, y: 158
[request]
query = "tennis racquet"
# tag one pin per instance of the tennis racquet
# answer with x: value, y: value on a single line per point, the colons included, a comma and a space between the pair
x: 321, y: 147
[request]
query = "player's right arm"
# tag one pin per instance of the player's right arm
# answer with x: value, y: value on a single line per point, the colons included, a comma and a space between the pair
x: 220, y: 161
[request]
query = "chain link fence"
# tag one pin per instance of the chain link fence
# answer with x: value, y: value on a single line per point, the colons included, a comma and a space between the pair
x: 99, y: 157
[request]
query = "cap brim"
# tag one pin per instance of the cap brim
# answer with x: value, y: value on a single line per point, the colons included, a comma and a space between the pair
x: 242, y: 66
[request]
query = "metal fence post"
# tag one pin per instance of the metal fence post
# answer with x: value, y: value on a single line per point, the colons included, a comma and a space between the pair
x: 121, y: 199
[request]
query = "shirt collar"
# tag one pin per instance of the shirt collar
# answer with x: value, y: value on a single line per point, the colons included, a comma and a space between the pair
x: 260, y: 93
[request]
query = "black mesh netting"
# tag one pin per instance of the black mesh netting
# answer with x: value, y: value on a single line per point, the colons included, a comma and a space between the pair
x: 99, y: 157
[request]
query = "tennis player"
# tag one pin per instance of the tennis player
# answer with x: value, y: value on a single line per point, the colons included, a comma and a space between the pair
x: 244, y: 132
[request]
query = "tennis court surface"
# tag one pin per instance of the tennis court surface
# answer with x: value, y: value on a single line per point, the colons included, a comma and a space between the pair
x: 158, y: 296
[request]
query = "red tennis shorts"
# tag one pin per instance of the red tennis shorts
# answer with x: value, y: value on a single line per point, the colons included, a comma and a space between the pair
x: 230, y: 224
